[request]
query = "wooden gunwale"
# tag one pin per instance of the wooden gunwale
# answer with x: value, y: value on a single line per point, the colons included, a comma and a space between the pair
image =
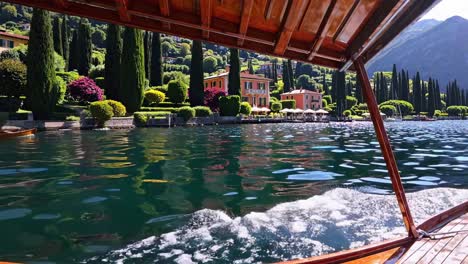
x: 21, y: 133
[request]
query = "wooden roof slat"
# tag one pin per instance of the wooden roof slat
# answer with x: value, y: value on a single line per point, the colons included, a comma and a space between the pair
x: 245, y: 19
x: 165, y: 10
x: 122, y: 9
x: 345, y: 20
x: 61, y: 3
x: 322, y: 32
x: 206, y: 7
x: 294, y: 16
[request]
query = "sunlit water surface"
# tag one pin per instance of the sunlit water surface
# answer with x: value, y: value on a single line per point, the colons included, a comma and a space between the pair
x: 221, y: 194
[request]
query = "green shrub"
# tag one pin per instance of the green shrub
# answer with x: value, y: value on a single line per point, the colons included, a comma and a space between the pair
x: 324, y: 103
x: 291, y: 104
x: 72, y: 118
x: 100, y: 81
x: 276, y: 107
x: 363, y: 107
x: 101, y: 111
x: 245, y: 108
x: 351, y: 101
x: 117, y: 108
x: 177, y: 92
x: 457, y: 110
x: 140, y: 119
x: 165, y: 109
x: 437, y: 113
x: 186, y: 112
x: 229, y: 105
x: 68, y: 77
x: 202, y: 111
x: 60, y: 88
x: 405, y: 107
x: 159, y: 88
x: 12, y: 78
x: 389, y: 110
x: 154, y: 96
x: 347, y: 113
x: 328, y: 98
x: 169, y: 104
x: 96, y: 71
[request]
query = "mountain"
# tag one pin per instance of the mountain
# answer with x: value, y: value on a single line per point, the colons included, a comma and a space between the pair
x: 435, y: 49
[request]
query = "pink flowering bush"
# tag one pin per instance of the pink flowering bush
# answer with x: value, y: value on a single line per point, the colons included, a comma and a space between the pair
x: 85, y: 90
x: 212, y: 96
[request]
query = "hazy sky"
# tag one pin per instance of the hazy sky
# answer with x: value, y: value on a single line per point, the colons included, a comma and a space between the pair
x: 448, y: 8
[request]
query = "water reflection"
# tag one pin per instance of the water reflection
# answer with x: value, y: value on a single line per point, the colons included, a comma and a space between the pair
x: 66, y: 195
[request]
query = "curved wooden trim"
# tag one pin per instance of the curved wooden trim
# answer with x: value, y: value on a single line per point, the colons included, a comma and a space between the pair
x: 4, y: 135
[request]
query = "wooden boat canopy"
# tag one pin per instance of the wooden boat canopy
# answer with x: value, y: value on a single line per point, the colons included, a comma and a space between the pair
x: 330, y: 33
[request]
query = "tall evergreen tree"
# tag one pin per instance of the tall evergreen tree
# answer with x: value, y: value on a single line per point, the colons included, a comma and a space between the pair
x: 393, y: 94
x: 57, y: 33
x: 286, y: 79
x: 196, y: 90
x: 85, y: 46
x: 65, y: 41
x: 40, y: 62
x: 291, y: 75
x: 275, y: 70
x: 132, y: 70
x: 340, y: 93
x: 156, y: 61
x: 73, y: 60
x: 437, y: 96
x: 148, y: 49
x: 384, y: 88
x: 234, y: 84
x: 358, y: 93
x: 250, y: 67
x: 417, y: 90
x: 431, y: 100
x: 349, y: 88
x: 423, y: 96
x: 298, y: 72
x: 377, y: 84
x: 326, y: 90
x: 113, y: 62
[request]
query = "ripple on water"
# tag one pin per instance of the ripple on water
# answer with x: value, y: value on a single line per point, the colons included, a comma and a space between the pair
x: 314, y: 176
x: 461, y: 158
x: 14, y: 213
x: 230, y: 194
x: 46, y: 216
x: 429, y: 178
x: 376, y: 180
x: 423, y: 183
x: 287, y: 170
x: 324, y: 147
x: 94, y: 199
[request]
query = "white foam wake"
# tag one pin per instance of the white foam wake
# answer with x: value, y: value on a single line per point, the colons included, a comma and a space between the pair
x: 339, y: 219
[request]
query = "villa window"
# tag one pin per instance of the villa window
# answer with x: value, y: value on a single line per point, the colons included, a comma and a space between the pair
x: 261, y: 86
x: 206, y: 85
x: 248, y: 85
x: 245, y: 99
x: 220, y: 84
x: 11, y: 44
x: 2, y: 43
x: 307, y: 97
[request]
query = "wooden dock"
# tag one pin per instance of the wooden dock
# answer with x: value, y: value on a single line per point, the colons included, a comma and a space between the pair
x: 450, y: 248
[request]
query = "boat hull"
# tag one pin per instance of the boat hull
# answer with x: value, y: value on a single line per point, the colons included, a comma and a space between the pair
x: 21, y: 133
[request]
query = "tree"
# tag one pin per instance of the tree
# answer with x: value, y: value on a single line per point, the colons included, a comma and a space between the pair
x: 9, y: 12
x: 148, y: 49
x: 431, y: 99
x: 40, y: 63
x: 65, y: 41
x: 74, y: 52
x: 209, y: 64
x: 417, y: 90
x: 132, y: 70
x: 303, y: 82
x: 184, y: 49
x: 286, y: 80
x: 85, y: 46
x: 196, y: 89
x: 113, y: 62
x: 57, y: 33
x: 234, y: 73
x: 250, y: 67
x: 358, y: 92
x: 340, y: 93
x: 298, y: 72
x: 156, y: 61
x: 99, y: 38
x: 394, y: 87
x: 291, y: 74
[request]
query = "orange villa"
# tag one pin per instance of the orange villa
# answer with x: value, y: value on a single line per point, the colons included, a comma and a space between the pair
x: 9, y: 40
x: 305, y: 99
x: 254, y: 88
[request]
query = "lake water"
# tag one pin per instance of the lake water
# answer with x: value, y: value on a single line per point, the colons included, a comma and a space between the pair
x: 219, y: 194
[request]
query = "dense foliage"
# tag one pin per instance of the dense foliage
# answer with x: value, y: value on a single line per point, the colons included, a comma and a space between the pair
x: 113, y: 61
x: 202, y: 111
x: 212, y: 96
x: 245, y: 108
x: 177, y: 92
x: 276, y: 107
x: 12, y: 78
x: 196, y: 91
x: 405, y: 107
x: 457, y: 110
x: 234, y: 84
x: 291, y: 104
x: 389, y: 110
x: 229, y: 105
x: 154, y: 96
x: 118, y: 108
x: 85, y: 90
x: 186, y: 112
x: 101, y: 111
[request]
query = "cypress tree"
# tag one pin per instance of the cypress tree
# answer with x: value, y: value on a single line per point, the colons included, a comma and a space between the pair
x: 156, y: 61
x: 324, y: 85
x: 291, y: 75
x: 431, y: 101
x: 423, y: 97
x: 394, y: 85
x: 74, y: 52
x: 234, y: 84
x: 377, y: 86
x: 113, y: 62
x: 132, y: 72
x: 57, y: 33
x: 250, y: 67
x: 298, y: 72
x: 349, y: 89
x: 196, y: 90
x: 85, y: 46
x: 437, y: 96
x: 384, y: 88
x: 340, y: 93
x: 41, y: 70
x: 275, y: 70
x: 148, y: 47
x: 65, y: 41
x: 286, y: 79
x: 417, y: 93
x: 358, y: 92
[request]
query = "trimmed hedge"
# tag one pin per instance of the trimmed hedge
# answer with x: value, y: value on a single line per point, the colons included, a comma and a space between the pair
x: 405, y: 107
x: 68, y: 77
x: 291, y: 104
x: 165, y: 109
x: 389, y: 110
x: 202, y: 111
x: 154, y: 96
x: 186, y: 112
x: 101, y: 111
x: 117, y: 108
x: 140, y: 119
x: 177, y: 92
x: 457, y: 110
x: 347, y: 113
x: 245, y: 108
x: 229, y: 105
x: 276, y: 107
x: 12, y: 78
x: 169, y: 104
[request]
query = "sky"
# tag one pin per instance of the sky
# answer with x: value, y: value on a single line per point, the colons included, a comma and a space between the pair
x: 448, y: 8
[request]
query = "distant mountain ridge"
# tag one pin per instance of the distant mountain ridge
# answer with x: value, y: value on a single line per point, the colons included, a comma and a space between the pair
x: 435, y: 49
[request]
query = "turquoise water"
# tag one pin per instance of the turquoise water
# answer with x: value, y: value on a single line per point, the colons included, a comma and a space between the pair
x: 221, y: 194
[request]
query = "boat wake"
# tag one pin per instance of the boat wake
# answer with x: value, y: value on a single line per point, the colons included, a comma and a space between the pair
x: 337, y: 220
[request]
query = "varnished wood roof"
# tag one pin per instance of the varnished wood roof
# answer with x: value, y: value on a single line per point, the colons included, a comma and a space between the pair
x: 324, y: 32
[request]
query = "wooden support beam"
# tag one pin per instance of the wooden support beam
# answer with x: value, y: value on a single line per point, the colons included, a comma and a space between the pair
x: 245, y: 19
x: 293, y: 17
x: 322, y: 31
x: 206, y: 7
x: 385, y: 147
x: 123, y: 10
x: 345, y: 20
x: 165, y: 11
x: 61, y: 3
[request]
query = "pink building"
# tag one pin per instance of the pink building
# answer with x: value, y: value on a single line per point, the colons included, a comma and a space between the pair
x: 305, y: 99
x: 254, y: 88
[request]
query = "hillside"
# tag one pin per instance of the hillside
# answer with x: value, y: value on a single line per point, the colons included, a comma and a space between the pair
x: 436, y: 49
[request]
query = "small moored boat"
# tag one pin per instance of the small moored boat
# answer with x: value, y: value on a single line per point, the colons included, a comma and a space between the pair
x: 4, y: 134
